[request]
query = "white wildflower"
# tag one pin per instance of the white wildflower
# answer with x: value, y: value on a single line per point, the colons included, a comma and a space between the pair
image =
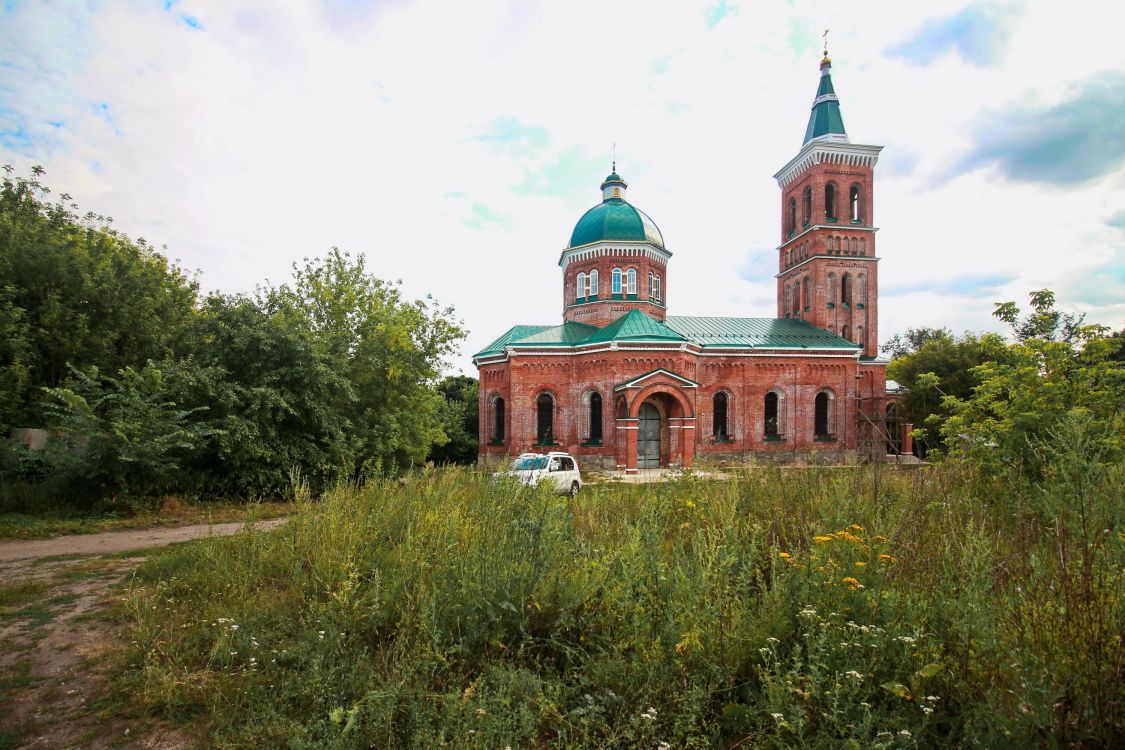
x: 904, y: 733
x: 778, y: 717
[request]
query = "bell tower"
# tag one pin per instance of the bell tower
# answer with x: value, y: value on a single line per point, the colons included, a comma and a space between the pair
x: 827, y: 266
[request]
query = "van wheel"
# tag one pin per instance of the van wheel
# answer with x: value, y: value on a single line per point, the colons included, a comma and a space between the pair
x: 574, y: 489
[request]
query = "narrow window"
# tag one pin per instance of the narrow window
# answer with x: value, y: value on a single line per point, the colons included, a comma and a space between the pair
x: 592, y: 281
x: 785, y: 304
x: 830, y: 201
x: 863, y: 247
x: 659, y: 291
x: 796, y: 298
x: 580, y: 288
x: 771, y: 415
x: 595, y: 417
x: 632, y: 281
x: 820, y: 416
x: 792, y: 215
x: 853, y: 199
x: 808, y: 302
x: 651, y: 287
x: 844, y: 333
x: 861, y: 289
x: 545, y: 419
x: 859, y: 336
x: 846, y: 289
x: 616, y: 281
x: 831, y: 287
x: 808, y: 205
x: 498, y: 420
x: 719, y: 416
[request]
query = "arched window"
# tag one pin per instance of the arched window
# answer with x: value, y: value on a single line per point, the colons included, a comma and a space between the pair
x: 807, y: 289
x: 844, y: 333
x: 631, y: 281
x: 616, y: 279
x: 837, y: 244
x: 719, y: 416
x: 595, y: 424
x: 861, y: 289
x: 498, y: 420
x: 822, y: 416
x: 863, y: 247
x: 808, y: 206
x: 831, y: 287
x: 651, y: 287
x: 846, y: 289
x: 796, y: 298
x: 774, y: 415
x: 792, y: 215
x: 580, y: 289
x: 592, y: 282
x: 785, y: 303
x: 853, y: 201
x: 658, y: 295
x: 545, y: 419
x: 830, y: 201
x: 859, y: 336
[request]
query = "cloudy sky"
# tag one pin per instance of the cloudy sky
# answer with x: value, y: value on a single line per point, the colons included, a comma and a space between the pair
x: 455, y: 144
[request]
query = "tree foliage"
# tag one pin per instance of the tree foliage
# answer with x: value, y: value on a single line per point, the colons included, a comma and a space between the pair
x: 932, y: 364
x: 75, y: 292
x: 330, y: 376
x: 1059, y: 382
x: 460, y: 420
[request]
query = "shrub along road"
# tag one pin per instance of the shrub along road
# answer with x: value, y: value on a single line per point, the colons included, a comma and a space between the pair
x: 56, y: 643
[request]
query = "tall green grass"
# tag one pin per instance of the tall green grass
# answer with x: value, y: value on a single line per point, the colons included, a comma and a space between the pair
x: 785, y: 608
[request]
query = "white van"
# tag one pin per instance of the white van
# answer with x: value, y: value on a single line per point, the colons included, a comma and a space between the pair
x: 560, y: 469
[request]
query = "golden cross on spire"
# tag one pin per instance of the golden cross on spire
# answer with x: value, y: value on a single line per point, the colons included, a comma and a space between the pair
x: 826, y: 42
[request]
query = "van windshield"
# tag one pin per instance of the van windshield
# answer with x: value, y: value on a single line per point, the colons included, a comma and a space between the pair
x: 529, y: 464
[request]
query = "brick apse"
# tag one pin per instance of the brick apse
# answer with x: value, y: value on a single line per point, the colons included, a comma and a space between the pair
x: 623, y: 385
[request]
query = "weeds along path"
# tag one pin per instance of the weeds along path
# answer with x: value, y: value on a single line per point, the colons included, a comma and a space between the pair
x: 56, y: 643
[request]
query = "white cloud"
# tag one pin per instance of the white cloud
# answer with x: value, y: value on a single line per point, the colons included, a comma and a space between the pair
x: 282, y: 128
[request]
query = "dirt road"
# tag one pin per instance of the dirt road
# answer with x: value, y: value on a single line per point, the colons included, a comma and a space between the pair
x: 56, y: 647
x: 109, y: 542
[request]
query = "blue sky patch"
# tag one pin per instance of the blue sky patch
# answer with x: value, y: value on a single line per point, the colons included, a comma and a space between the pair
x: 1117, y: 221
x: 962, y: 286
x: 717, y: 12
x: 509, y: 134
x: 979, y: 34
x: 482, y: 216
x: 191, y: 21
x: 572, y: 173
x: 1079, y: 140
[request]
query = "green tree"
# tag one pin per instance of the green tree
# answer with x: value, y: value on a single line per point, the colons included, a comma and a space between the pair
x: 389, y: 349
x: 269, y: 398
x: 76, y: 293
x: 460, y: 420
x: 1052, y: 382
x: 933, y: 364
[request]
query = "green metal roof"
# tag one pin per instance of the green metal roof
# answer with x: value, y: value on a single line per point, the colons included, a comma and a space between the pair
x: 514, y: 333
x: 742, y: 333
x: 615, y: 219
x: 634, y: 326
x: 758, y: 333
x: 825, y: 118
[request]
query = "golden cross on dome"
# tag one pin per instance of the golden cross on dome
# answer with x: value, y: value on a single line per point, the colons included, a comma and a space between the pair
x: 826, y: 42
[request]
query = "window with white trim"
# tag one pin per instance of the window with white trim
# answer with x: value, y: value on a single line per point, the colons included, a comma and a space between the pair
x: 592, y: 284
x: 631, y: 281
x: 580, y: 288
x: 616, y: 280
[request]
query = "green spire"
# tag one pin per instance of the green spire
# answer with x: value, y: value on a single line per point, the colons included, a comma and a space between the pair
x: 825, y: 121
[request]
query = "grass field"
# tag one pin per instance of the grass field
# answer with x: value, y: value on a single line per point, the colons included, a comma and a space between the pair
x: 807, y: 608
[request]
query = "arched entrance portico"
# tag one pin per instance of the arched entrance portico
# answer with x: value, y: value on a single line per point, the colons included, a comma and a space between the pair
x: 659, y: 428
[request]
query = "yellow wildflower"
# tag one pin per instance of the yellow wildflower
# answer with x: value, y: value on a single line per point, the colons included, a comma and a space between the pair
x: 887, y: 558
x: 685, y: 525
x: 822, y: 539
x: 860, y: 564
x: 784, y: 555
x: 851, y: 582
x: 856, y: 527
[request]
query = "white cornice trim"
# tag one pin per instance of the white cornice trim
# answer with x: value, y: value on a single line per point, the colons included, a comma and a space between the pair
x: 620, y: 249
x: 775, y: 352
x: 827, y: 152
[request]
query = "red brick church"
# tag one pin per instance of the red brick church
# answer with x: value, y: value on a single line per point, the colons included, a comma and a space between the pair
x: 624, y: 385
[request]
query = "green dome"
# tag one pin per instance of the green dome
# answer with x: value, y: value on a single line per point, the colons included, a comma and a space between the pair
x: 615, y: 219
